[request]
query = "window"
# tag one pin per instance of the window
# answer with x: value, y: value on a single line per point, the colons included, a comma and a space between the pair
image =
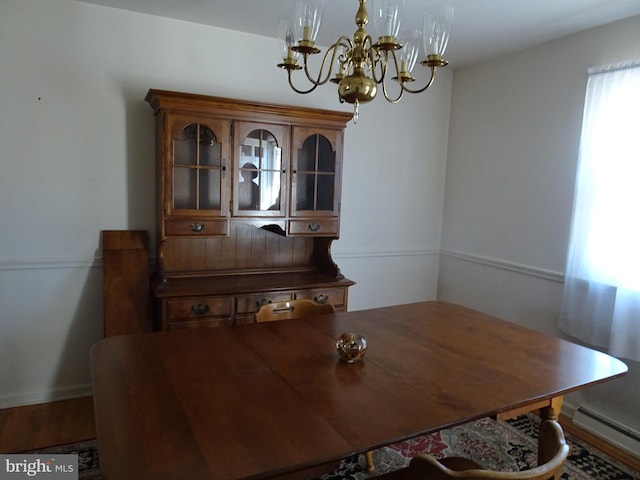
x: 601, y: 300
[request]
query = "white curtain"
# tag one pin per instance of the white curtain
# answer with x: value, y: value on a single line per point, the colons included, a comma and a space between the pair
x: 601, y: 300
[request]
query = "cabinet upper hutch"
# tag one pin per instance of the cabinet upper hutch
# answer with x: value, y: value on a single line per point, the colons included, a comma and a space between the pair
x: 248, y: 204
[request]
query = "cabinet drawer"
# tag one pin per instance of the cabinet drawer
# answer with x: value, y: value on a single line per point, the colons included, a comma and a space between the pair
x: 195, y: 308
x: 193, y: 227
x: 335, y: 296
x: 314, y: 227
x: 251, y: 303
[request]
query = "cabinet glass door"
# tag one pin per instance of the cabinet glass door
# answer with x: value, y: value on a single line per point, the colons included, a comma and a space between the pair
x: 198, y: 168
x: 259, y: 171
x: 316, y: 173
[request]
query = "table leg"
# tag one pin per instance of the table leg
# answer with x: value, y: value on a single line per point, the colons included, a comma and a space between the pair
x: 370, y: 465
x: 552, y: 411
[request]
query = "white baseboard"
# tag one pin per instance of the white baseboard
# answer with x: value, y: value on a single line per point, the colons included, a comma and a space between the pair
x: 34, y: 398
x: 612, y: 431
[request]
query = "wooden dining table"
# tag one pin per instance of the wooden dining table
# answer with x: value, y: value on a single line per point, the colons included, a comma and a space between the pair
x: 275, y: 400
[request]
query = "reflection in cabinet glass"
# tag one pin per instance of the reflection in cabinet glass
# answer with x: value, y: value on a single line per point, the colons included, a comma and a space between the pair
x: 316, y: 175
x: 197, y: 169
x: 260, y: 171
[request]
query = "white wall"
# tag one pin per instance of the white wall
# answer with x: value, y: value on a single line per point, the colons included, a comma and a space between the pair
x: 77, y: 157
x: 513, y: 145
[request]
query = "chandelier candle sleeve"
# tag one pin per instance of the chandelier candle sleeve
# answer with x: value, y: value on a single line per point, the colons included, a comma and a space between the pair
x: 358, y: 64
x: 307, y: 17
x: 437, y: 26
x: 287, y: 41
x: 411, y: 42
x: 387, y: 18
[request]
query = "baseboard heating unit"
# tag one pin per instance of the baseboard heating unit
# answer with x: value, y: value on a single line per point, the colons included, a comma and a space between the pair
x: 608, y: 429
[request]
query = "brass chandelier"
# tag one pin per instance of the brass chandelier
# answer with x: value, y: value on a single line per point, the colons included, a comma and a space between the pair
x: 357, y: 64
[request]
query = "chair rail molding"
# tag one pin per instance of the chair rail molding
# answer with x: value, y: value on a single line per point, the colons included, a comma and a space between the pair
x: 523, y: 269
x: 47, y: 263
x: 383, y: 252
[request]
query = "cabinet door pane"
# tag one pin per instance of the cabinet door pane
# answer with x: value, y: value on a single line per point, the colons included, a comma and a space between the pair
x: 326, y: 156
x: 316, y: 175
x: 185, y: 146
x: 326, y: 184
x: 198, y: 169
x: 260, y: 172
x: 307, y: 155
x: 305, y: 188
x: 210, y: 194
x: 210, y: 149
x: 184, y: 187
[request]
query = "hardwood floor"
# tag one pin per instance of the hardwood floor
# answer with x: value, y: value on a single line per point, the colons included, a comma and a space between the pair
x: 45, y: 425
x: 67, y: 421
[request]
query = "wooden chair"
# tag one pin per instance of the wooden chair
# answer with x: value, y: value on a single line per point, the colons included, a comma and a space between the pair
x: 552, y: 453
x: 292, y: 309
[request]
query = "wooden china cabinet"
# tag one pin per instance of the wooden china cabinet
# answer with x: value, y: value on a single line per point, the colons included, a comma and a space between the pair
x: 248, y: 204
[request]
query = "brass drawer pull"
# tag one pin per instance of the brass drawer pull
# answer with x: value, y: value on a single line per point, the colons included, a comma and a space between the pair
x: 264, y: 301
x: 322, y: 298
x: 200, y: 309
x: 197, y: 227
x: 314, y: 227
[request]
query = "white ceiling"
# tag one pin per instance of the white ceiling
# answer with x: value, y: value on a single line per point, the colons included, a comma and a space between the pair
x: 482, y: 28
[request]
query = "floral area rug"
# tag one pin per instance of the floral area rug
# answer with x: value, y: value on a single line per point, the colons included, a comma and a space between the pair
x: 510, y: 445
x: 497, y: 445
x: 88, y: 462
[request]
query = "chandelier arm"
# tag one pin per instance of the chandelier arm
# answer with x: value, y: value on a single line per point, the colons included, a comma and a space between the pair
x: 386, y: 94
x: 368, y: 42
x: 317, y: 81
x: 433, y: 76
x: 346, y: 43
x: 303, y: 92
x: 333, y: 48
x: 383, y: 79
x: 397, y: 67
x: 376, y: 60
